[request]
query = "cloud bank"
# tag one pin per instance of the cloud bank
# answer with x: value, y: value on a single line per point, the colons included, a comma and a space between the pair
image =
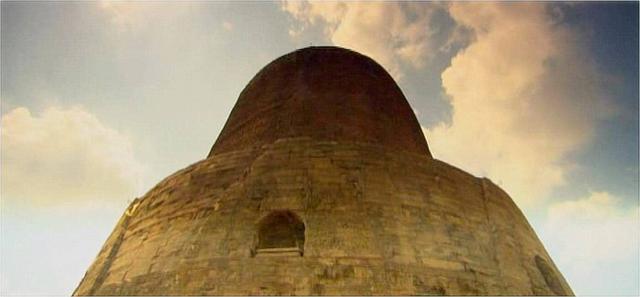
x: 593, y: 235
x: 524, y: 98
x: 64, y: 156
x: 398, y: 35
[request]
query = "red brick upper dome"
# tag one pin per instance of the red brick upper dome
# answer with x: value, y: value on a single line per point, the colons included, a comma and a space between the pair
x: 326, y: 93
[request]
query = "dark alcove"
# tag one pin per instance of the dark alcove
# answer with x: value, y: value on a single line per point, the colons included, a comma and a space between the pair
x: 281, y: 232
x: 549, y: 276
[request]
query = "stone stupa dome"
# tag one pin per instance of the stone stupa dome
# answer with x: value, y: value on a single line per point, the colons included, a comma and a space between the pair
x: 321, y: 183
x: 325, y: 93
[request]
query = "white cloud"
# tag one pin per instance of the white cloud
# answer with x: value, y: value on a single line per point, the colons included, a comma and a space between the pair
x: 597, y: 225
x: 395, y: 34
x: 594, y: 241
x: 524, y: 97
x: 65, y: 156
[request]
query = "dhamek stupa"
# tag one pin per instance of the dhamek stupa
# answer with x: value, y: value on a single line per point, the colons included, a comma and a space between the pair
x: 322, y: 183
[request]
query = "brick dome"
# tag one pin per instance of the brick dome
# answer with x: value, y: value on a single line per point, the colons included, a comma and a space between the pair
x: 326, y: 93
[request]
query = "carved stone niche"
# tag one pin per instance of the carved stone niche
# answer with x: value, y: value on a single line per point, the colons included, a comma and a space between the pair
x: 550, y: 277
x: 280, y: 233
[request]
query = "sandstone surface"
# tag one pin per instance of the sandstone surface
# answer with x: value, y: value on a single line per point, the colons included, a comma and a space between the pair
x: 321, y: 183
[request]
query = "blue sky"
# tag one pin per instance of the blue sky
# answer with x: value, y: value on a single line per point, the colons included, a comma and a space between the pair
x: 101, y: 100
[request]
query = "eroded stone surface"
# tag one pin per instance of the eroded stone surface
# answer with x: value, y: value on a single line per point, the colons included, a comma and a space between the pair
x: 321, y: 183
x: 376, y: 222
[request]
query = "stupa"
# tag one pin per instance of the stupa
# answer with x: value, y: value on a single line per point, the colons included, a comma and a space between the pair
x: 322, y: 183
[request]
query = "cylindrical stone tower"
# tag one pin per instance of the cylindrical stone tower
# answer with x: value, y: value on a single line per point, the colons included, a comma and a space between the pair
x: 322, y: 183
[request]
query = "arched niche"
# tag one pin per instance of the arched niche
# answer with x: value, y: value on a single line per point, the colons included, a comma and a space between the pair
x: 549, y: 275
x: 280, y: 233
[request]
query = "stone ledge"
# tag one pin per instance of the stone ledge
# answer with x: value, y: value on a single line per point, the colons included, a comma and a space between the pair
x: 280, y: 252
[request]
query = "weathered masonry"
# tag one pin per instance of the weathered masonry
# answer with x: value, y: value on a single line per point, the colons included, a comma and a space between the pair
x: 322, y: 183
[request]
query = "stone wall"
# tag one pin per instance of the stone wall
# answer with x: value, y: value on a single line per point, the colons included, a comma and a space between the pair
x: 375, y: 222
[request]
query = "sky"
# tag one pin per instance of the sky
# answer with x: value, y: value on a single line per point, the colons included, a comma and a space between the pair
x: 101, y: 100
